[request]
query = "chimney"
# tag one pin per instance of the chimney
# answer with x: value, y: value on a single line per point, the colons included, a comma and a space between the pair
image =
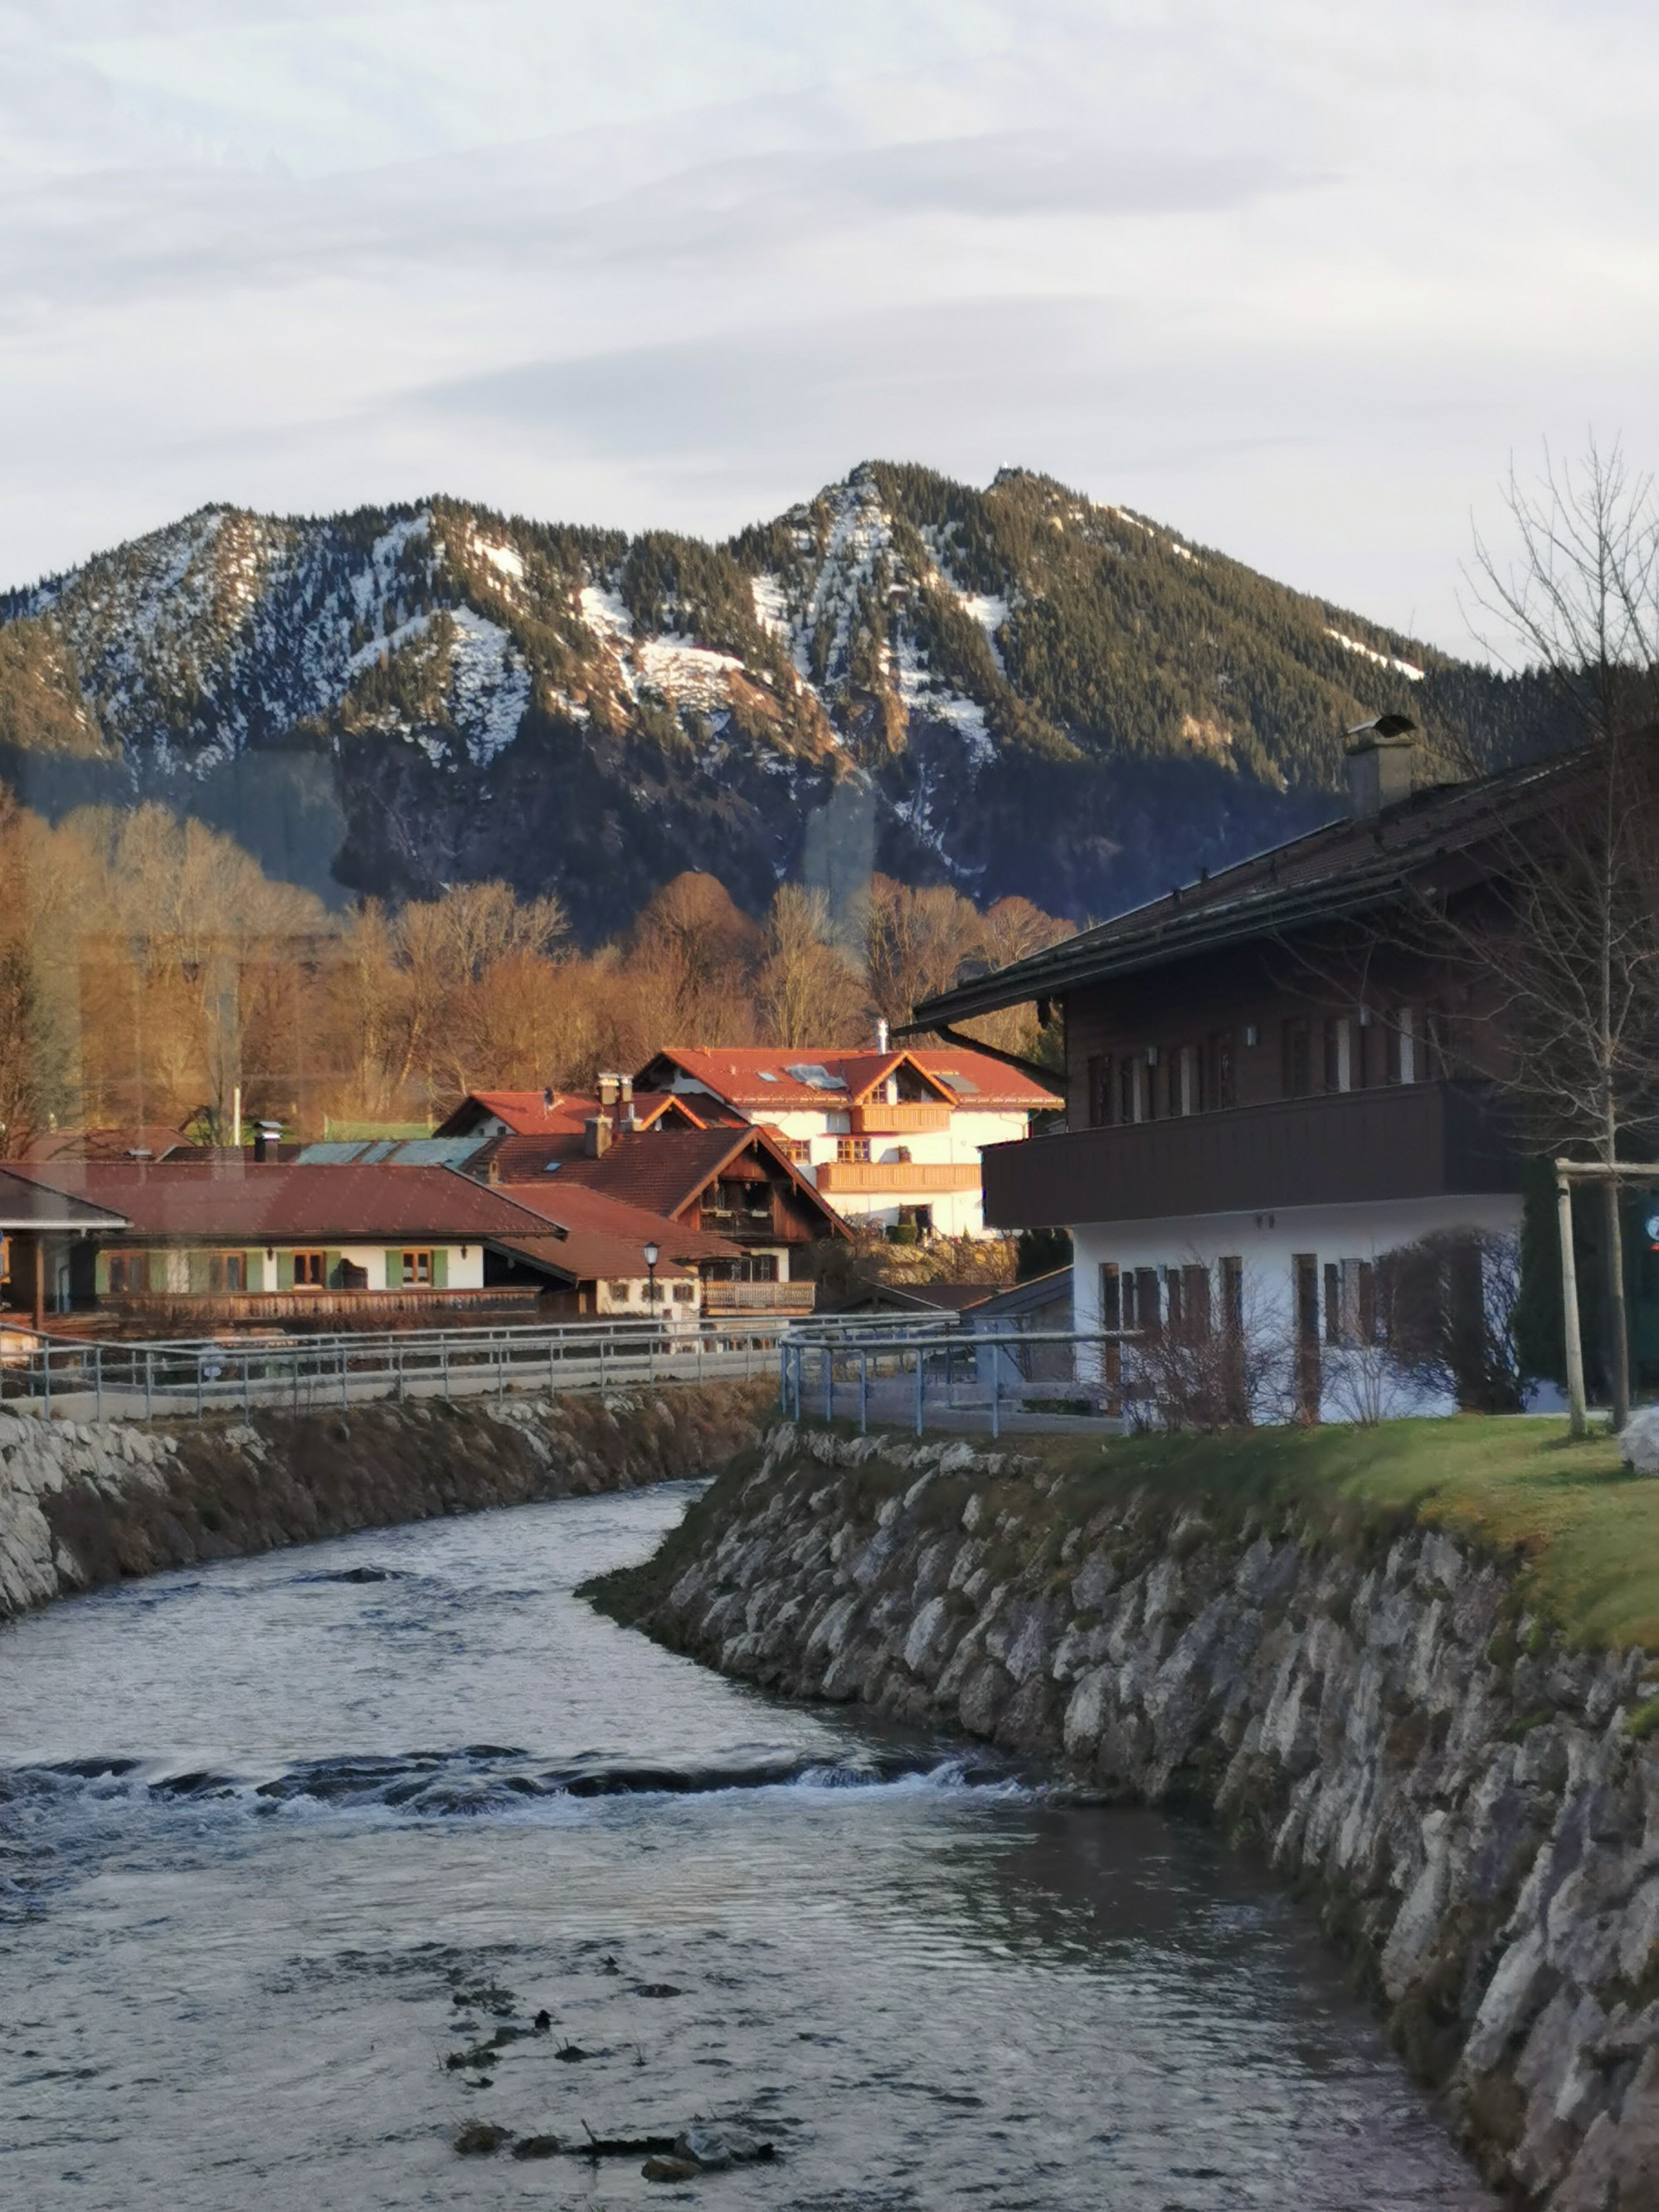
x: 547, y: 1099
x: 1381, y: 757
x: 626, y: 1085
x: 608, y: 1087
x: 598, y: 1133
x: 881, y: 1033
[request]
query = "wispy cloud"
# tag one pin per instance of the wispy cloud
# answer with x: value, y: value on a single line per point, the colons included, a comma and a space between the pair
x: 1297, y: 279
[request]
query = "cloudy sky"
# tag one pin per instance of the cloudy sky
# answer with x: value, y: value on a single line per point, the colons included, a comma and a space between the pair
x: 1297, y: 278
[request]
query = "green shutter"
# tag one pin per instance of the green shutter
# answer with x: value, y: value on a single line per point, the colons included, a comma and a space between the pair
x: 440, y: 1268
x: 254, y: 1270
x: 285, y: 1271
x: 200, y: 1274
x: 394, y: 1271
x: 158, y: 1271
x: 331, y: 1270
x: 100, y: 1277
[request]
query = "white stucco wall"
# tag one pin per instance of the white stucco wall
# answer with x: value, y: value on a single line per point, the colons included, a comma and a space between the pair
x: 1267, y: 1244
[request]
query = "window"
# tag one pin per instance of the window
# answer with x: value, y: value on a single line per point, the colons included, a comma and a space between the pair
x: 1148, y: 1308
x: 683, y: 1292
x: 417, y: 1267
x: 1339, y: 1054
x: 799, y: 1150
x: 1128, y: 1090
x: 1350, y: 1301
x: 1099, y: 1106
x: 128, y: 1272
x: 1305, y: 1284
x: 850, y: 1150
x: 1298, y: 1058
x: 309, y: 1270
x: 1187, y: 1081
x: 620, y: 1294
x: 1175, y: 1309
x: 1222, y: 1093
x: 228, y: 1271
x: 1233, y: 1296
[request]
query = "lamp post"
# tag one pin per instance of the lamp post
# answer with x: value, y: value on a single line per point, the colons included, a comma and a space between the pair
x: 651, y: 1256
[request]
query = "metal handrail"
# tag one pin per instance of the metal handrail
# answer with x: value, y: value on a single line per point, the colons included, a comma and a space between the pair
x: 196, y: 1376
x: 925, y: 1346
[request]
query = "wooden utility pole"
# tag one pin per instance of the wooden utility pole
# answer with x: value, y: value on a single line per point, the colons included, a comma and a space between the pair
x: 1578, y: 1412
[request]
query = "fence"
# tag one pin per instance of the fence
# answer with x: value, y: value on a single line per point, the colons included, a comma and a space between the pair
x: 78, y: 1378
x: 1034, y: 1378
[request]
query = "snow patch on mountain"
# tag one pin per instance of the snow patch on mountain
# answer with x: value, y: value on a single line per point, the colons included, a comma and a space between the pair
x: 688, y: 674
x: 488, y: 686
x: 990, y: 611
x: 1405, y: 668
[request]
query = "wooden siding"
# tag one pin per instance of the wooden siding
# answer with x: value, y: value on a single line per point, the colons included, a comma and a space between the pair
x: 1411, y: 1140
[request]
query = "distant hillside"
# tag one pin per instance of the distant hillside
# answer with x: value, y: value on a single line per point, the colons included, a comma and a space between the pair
x: 1011, y: 691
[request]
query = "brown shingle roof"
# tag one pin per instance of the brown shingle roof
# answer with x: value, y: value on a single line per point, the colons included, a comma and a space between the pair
x: 1350, y: 867
x: 285, y: 1203
x: 31, y: 1199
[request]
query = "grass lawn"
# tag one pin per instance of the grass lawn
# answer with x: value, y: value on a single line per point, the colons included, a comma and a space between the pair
x: 1587, y: 1528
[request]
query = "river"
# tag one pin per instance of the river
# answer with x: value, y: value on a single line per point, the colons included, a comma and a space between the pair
x: 309, y: 1861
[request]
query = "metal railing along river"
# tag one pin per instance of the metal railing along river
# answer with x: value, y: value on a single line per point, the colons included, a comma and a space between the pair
x: 959, y: 1376
x: 83, y: 1378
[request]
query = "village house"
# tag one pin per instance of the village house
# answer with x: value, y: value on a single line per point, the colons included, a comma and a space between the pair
x: 189, y: 1241
x: 892, y: 1137
x: 1278, y: 1076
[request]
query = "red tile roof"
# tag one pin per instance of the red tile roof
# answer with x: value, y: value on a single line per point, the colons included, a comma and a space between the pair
x: 602, y: 1235
x: 29, y: 1200
x: 758, y: 1077
x: 284, y: 1203
x: 526, y: 1113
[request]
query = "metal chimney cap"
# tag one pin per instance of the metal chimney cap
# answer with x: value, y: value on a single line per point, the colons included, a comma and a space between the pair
x: 1383, y: 729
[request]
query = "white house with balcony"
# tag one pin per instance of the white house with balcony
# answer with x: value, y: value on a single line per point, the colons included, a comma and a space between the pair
x: 891, y: 1138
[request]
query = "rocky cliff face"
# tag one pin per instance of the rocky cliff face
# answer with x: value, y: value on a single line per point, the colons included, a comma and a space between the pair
x: 83, y: 1503
x: 1013, y: 690
x: 1465, y: 1799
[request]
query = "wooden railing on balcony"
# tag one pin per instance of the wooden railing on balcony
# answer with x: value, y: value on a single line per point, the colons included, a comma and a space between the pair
x: 878, y: 1119
x: 1409, y: 1140
x: 741, y: 1223
x: 903, y: 1177
x: 442, y: 1308
x: 759, y: 1298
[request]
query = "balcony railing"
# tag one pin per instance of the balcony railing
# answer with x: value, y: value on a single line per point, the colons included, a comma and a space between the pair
x: 905, y: 1178
x: 905, y: 1119
x: 218, y: 1307
x: 759, y: 1298
x: 1410, y: 1140
x: 739, y: 1222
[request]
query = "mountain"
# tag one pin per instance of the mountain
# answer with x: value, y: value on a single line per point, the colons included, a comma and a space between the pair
x: 1013, y: 690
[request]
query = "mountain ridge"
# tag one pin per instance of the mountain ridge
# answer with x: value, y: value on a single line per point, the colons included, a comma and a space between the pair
x: 1015, y: 689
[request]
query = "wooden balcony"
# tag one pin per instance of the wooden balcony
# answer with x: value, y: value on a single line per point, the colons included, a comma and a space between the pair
x: 904, y: 1119
x: 898, y: 1178
x: 341, y: 1309
x: 1411, y: 1140
x: 759, y: 1298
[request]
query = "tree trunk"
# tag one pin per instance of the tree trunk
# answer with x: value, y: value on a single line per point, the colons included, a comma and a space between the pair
x: 1618, y: 1321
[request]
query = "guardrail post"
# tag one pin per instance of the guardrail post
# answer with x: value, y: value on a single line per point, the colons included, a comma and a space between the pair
x: 996, y: 1389
x: 443, y: 1348
x: 149, y: 1386
x: 45, y: 1361
x: 345, y: 1388
x: 247, y: 1394
x: 920, y: 1386
x: 864, y: 1394
x: 98, y: 1377
x: 829, y: 1383
x: 201, y: 1380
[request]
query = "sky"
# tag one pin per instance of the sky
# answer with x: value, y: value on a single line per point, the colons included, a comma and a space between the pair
x: 1300, y: 280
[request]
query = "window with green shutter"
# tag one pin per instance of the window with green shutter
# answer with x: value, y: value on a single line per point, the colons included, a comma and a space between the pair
x: 440, y: 1269
x: 394, y: 1271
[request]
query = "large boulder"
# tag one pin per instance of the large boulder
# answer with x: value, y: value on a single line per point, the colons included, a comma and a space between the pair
x: 1639, y: 1441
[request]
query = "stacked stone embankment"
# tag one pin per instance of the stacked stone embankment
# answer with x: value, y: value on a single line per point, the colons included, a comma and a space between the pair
x: 83, y: 1503
x: 1474, y: 1804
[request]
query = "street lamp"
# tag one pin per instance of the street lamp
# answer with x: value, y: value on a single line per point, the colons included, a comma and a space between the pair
x: 651, y: 1256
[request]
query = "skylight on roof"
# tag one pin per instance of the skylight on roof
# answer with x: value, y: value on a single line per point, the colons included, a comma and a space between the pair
x: 815, y: 1076
x: 963, y: 1084
x: 766, y: 1076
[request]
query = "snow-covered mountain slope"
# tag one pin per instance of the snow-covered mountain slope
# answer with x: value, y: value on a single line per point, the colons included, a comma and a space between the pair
x: 1023, y: 691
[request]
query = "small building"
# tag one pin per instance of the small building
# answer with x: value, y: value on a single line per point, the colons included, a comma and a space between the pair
x: 593, y: 1248
x: 176, y: 1243
x: 893, y: 1138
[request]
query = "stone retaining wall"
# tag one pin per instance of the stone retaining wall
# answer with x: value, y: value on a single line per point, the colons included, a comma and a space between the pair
x: 1465, y: 1799
x: 83, y: 1504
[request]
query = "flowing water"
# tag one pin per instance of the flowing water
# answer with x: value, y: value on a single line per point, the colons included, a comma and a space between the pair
x: 309, y: 1862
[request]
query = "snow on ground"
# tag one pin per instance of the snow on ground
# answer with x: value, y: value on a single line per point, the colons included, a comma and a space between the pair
x: 405, y: 633
x: 965, y: 716
x: 1404, y: 668
x: 489, y: 684
x: 772, y: 607
x: 691, y: 675
x: 503, y: 557
x: 990, y: 611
